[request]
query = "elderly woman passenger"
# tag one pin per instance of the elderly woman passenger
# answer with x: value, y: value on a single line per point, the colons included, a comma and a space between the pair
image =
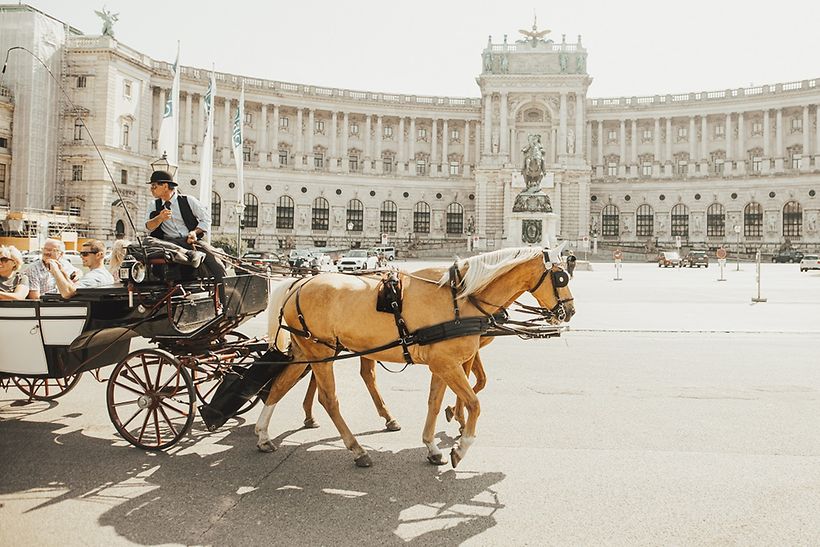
x: 14, y: 284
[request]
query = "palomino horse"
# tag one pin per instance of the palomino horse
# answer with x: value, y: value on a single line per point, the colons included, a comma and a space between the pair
x: 336, y: 310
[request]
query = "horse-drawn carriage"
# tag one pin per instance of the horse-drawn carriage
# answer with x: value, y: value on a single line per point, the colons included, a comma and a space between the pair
x: 46, y: 345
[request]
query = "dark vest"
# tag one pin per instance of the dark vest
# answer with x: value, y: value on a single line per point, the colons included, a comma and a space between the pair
x: 187, y: 215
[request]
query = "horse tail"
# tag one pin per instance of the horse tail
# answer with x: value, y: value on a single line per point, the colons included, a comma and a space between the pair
x: 278, y: 337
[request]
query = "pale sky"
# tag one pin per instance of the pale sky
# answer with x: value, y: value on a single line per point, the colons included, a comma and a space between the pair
x: 640, y: 47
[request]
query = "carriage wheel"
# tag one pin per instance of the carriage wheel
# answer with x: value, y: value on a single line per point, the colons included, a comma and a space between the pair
x: 151, y: 399
x: 46, y: 389
x: 206, y: 382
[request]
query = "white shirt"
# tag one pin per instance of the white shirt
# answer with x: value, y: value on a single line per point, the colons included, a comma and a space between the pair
x: 174, y: 227
x: 98, y: 277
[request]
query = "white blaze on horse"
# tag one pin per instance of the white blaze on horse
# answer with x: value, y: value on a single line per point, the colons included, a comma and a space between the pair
x: 334, y: 311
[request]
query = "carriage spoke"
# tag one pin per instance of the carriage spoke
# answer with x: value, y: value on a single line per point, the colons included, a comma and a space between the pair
x: 169, y: 422
x: 133, y: 377
x: 156, y: 426
x: 137, y: 413
x: 144, y: 425
x: 123, y: 403
x: 129, y: 388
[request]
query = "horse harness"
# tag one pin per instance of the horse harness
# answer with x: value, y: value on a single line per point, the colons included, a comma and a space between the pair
x: 389, y: 300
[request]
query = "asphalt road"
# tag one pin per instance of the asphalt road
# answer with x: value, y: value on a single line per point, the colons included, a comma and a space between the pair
x: 674, y: 412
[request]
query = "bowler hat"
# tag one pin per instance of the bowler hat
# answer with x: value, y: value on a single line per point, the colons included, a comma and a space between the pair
x: 162, y: 177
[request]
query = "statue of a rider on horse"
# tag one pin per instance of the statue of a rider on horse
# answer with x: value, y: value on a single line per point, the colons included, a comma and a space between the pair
x: 533, y: 169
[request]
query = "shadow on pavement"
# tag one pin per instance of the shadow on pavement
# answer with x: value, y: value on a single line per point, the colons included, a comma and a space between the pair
x: 301, y: 494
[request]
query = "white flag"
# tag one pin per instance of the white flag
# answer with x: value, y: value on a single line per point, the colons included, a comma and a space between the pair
x: 238, y: 152
x: 206, y: 153
x: 169, y: 127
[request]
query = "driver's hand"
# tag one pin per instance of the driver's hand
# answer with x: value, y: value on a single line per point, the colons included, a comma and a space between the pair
x: 192, y: 237
x: 164, y: 215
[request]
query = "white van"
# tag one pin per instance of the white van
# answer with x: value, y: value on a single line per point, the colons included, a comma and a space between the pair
x: 388, y: 252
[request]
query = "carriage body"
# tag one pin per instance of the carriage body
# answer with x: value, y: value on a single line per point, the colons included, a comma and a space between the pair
x: 46, y: 345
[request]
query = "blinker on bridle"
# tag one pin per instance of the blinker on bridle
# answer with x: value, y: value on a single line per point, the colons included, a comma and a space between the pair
x: 559, y: 279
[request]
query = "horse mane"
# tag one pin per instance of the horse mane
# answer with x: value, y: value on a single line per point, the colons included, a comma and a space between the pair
x: 484, y: 268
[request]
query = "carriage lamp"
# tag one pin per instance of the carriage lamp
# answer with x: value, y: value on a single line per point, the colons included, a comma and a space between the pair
x: 162, y: 164
x: 137, y: 272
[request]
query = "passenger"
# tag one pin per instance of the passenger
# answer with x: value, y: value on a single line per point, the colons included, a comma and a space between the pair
x: 93, y: 253
x: 118, y: 253
x: 180, y: 219
x: 14, y: 284
x: 40, y: 278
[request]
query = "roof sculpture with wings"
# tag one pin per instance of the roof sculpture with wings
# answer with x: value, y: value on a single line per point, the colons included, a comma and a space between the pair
x: 534, y: 35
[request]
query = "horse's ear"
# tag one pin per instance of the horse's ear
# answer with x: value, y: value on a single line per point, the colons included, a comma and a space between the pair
x: 553, y: 256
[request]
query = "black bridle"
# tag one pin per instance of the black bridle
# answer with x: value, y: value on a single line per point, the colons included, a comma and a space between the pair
x: 559, y: 279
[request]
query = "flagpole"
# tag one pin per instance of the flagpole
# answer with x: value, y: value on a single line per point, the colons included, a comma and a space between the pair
x: 238, y: 154
x: 207, y: 151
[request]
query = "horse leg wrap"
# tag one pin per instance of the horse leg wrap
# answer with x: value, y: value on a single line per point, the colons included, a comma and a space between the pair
x: 460, y: 449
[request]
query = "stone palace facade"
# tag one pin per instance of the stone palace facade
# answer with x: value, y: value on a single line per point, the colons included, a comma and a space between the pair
x: 338, y: 167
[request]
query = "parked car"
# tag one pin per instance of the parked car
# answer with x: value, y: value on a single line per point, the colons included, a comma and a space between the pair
x: 695, y: 258
x: 790, y: 256
x: 31, y: 256
x: 263, y: 259
x: 810, y: 262
x: 75, y: 258
x: 356, y: 260
x: 669, y: 258
x: 388, y: 252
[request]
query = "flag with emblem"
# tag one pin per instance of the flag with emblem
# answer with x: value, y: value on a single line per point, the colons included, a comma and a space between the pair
x: 168, y: 142
x: 206, y: 153
x: 238, y: 148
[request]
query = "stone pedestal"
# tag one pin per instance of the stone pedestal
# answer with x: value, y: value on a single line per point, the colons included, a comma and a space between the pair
x: 531, y: 228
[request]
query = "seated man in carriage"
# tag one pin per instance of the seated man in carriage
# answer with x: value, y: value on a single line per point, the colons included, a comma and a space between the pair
x: 182, y: 220
x: 93, y: 253
x: 14, y: 284
x: 39, y: 274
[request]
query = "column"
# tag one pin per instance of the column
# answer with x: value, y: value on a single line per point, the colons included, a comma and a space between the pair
x: 579, y: 126
x: 704, y: 139
x: 740, y: 165
x: 622, y: 149
x: 311, y: 131
x: 411, y: 148
x: 160, y: 112
x: 368, y: 127
x: 600, y: 160
x: 766, y: 138
x: 504, y: 145
x: 299, y: 135
x: 434, y: 159
x: 633, y: 159
x: 727, y: 131
x: 377, y: 155
x: 486, y: 129
x: 588, y: 139
x: 275, y: 135
x: 778, y: 140
x: 334, y: 135
x: 187, y: 151
x: 554, y: 146
x: 693, y: 149
x: 477, y: 149
x: 465, y: 170
x: 262, y: 132
x: 817, y: 136
x: 806, y: 156
x: 226, y: 131
x: 445, y: 146
x: 656, y: 140
x: 402, y: 156
x: 667, y: 170
x: 344, y: 152
x: 562, y: 126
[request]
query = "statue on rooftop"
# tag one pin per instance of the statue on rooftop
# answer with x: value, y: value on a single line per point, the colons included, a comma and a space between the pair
x: 108, y: 19
x: 534, y: 35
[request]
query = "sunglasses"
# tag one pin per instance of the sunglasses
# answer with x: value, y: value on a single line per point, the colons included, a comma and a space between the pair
x: 6, y: 259
x: 86, y: 253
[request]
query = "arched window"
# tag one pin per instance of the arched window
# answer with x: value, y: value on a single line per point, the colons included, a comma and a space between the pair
x: 644, y: 221
x: 216, y: 209
x: 753, y: 220
x: 680, y: 220
x: 792, y: 219
x: 321, y: 215
x: 284, y: 213
x: 715, y: 221
x: 455, y: 218
x: 355, y: 216
x: 119, y: 229
x: 609, y: 221
x: 389, y: 217
x: 421, y: 218
x: 251, y: 214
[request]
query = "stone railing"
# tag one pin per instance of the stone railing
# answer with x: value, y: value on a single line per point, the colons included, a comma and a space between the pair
x: 701, y: 96
x: 541, y: 47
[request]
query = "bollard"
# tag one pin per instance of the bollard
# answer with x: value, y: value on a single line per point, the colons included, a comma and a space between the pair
x: 757, y: 276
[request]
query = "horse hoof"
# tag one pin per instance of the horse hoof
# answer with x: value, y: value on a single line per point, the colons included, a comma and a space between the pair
x: 393, y: 425
x: 266, y: 446
x: 454, y: 457
x: 437, y: 459
x: 448, y: 413
x: 310, y: 423
x: 363, y: 461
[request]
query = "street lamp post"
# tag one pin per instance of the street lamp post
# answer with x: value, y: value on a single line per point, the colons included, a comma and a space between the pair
x: 737, y: 253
